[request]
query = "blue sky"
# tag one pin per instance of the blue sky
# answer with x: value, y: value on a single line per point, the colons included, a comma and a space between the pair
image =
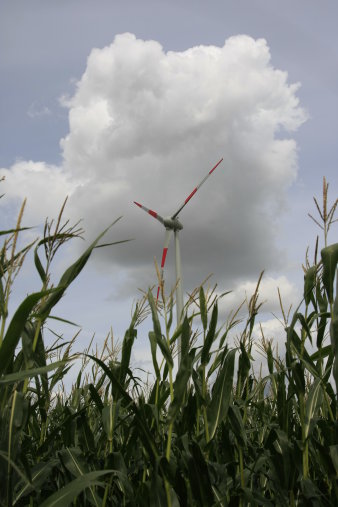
x: 252, y: 81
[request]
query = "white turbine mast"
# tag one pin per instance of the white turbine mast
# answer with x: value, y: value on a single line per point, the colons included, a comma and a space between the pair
x: 173, y: 225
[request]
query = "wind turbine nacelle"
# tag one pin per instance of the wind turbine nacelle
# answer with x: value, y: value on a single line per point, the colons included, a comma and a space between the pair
x: 173, y: 224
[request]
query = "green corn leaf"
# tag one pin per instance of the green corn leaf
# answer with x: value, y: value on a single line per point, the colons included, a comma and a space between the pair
x: 11, y: 464
x: 237, y: 425
x: 321, y: 297
x: 334, y: 335
x: 298, y: 378
x: 321, y: 353
x: 11, y: 231
x: 127, y: 345
x: 59, y: 319
x: 199, y: 477
x: 309, y: 284
x: 156, y: 322
x: 330, y: 261
x: 66, y: 495
x: 203, y: 308
x: 221, y: 393
x: 145, y: 435
x: 304, y: 356
x: 153, y: 345
x: 165, y: 350
x: 40, y: 475
x: 75, y: 462
x: 244, y: 365
x: 71, y: 273
x: 312, y: 403
x: 185, y: 337
x: 334, y: 456
x: 161, y: 342
x: 178, y: 330
x: 180, y: 384
x: 269, y: 357
x: 109, y: 415
x: 11, y: 378
x: 95, y: 397
x: 211, y: 334
x: 17, y: 326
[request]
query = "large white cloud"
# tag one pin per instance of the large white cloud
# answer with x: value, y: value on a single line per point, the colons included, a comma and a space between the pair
x: 147, y: 125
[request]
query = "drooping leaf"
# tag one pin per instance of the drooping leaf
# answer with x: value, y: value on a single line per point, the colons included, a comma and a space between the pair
x: 330, y: 261
x: 66, y: 495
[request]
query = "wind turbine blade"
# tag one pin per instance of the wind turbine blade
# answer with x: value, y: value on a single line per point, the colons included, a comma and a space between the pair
x: 195, y: 190
x: 150, y: 212
x: 168, y: 235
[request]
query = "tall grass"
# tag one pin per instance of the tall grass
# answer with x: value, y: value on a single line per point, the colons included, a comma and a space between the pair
x: 211, y: 433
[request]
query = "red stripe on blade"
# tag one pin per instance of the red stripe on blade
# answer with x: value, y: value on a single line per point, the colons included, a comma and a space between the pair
x: 152, y: 213
x: 138, y: 204
x: 164, y: 255
x: 212, y: 170
x: 190, y: 196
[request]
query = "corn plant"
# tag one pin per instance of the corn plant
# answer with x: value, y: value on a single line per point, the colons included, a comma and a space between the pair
x: 209, y: 432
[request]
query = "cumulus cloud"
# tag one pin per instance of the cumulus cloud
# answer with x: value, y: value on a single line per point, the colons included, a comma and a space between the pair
x: 267, y: 295
x: 146, y: 125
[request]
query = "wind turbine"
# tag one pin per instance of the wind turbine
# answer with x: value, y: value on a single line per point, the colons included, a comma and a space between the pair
x: 173, y: 225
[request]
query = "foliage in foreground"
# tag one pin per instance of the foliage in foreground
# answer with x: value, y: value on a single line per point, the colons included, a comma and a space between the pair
x: 213, y: 433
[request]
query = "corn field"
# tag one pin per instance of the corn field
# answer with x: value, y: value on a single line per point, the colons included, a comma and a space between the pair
x: 211, y: 432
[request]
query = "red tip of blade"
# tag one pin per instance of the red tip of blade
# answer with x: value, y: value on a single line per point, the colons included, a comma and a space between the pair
x: 152, y: 213
x: 138, y: 204
x: 212, y: 170
x: 158, y: 292
x: 190, y: 196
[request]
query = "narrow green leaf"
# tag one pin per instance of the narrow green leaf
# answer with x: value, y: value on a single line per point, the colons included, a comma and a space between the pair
x: 11, y: 231
x: 66, y: 495
x: 17, y: 325
x: 321, y: 353
x: 205, y: 356
x: 203, y: 308
x: 11, y: 378
x: 221, y: 393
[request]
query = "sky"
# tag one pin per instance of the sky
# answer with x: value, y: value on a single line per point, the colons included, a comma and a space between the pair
x: 111, y: 102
